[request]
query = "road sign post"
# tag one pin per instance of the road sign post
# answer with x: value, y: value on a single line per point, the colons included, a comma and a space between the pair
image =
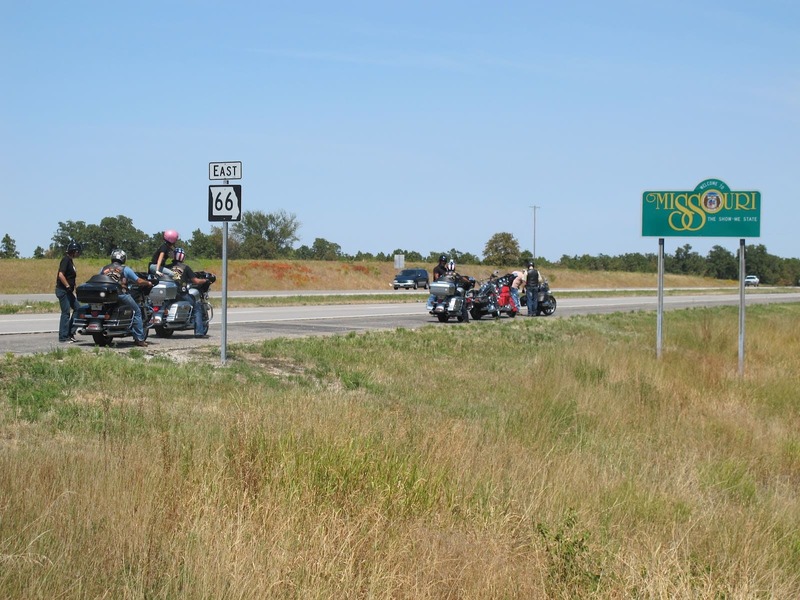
x: 224, y: 204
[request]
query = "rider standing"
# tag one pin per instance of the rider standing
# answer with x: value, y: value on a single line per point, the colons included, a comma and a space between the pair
x: 532, y: 288
x: 124, y: 275
x: 515, y: 286
x: 65, y: 291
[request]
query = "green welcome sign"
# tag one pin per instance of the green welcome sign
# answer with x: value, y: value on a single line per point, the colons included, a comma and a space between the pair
x: 712, y: 209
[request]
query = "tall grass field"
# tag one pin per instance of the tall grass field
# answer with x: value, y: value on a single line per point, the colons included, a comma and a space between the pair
x: 543, y: 458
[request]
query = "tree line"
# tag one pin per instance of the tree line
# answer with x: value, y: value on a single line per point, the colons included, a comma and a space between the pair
x: 266, y: 236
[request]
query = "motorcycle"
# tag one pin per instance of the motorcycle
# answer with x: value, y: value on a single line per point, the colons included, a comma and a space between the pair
x: 452, y: 298
x: 172, y: 311
x: 494, y: 298
x: 103, y: 316
x: 546, y: 302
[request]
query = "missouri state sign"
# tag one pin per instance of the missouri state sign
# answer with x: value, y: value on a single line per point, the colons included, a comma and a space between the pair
x: 712, y: 209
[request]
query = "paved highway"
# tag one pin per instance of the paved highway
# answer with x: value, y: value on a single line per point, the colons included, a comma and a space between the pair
x: 25, y: 334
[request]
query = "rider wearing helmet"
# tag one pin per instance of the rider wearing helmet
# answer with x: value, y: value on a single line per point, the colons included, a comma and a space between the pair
x: 532, y: 289
x: 124, y: 275
x: 65, y: 291
x: 439, y: 271
x: 186, y: 275
x: 159, y: 260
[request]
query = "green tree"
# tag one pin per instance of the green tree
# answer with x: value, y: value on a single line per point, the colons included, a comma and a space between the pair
x: 265, y: 235
x: 685, y: 262
x: 72, y: 230
x: 760, y: 262
x: 721, y: 263
x: 206, y: 245
x: 322, y: 249
x: 502, y: 249
x: 39, y: 252
x: 8, y: 247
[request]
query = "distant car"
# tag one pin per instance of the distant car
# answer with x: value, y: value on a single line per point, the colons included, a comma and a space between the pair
x: 751, y: 280
x: 411, y: 278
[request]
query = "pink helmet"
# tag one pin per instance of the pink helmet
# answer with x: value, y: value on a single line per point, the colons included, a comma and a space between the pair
x: 171, y: 236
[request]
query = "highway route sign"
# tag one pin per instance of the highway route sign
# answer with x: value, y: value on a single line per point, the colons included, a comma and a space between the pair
x: 225, y: 203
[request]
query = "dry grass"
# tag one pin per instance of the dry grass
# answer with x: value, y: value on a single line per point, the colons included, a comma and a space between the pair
x: 29, y: 276
x: 557, y: 460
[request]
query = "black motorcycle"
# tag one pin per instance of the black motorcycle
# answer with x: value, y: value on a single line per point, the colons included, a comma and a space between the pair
x: 546, y: 301
x: 172, y: 310
x: 452, y: 298
x: 103, y: 316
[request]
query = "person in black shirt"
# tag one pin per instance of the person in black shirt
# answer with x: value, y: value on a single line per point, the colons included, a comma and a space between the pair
x: 438, y: 271
x: 158, y: 264
x: 187, y: 276
x: 65, y: 291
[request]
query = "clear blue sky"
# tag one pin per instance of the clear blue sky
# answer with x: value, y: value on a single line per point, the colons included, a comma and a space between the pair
x: 416, y: 125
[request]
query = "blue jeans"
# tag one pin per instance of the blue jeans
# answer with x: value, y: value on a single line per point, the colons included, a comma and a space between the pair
x: 200, y: 328
x: 532, y: 296
x: 515, y: 298
x: 164, y: 271
x: 136, y: 322
x: 69, y: 304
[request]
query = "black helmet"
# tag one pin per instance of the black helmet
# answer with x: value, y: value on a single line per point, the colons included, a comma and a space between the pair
x: 442, y: 258
x: 119, y: 256
x: 530, y: 264
x: 75, y: 247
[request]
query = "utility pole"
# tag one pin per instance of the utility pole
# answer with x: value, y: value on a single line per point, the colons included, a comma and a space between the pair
x: 534, y: 207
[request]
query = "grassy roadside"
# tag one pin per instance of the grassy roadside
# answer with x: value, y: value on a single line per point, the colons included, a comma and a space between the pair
x: 559, y: 460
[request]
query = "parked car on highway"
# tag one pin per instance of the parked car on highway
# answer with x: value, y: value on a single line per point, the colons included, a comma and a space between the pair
x: 751, y: 280
x: 411, y: 278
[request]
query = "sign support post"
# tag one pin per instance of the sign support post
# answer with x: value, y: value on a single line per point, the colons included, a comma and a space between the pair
x: 224, y: 204
x: 742, y: 275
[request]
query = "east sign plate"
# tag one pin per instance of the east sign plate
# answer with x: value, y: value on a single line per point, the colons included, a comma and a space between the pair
x: 712, y: 209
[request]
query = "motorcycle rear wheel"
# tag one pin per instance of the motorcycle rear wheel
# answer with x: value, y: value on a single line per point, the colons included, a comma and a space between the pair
x: 550, y: 307
x: 442, y: 318
x: 476, y: 314
x: 102, y: 339
x: 163, y: 332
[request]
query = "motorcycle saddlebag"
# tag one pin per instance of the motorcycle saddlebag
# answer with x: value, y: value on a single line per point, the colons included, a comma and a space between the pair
x: 442, y: 289
x: 164, y: 290
x: 99, y: 289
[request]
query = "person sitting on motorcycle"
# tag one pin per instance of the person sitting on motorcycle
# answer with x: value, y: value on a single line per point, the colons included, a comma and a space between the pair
x: 438, y: 272
x: 184, y: 273
x: 516, y: 284
x: 158, y: 263
x: 532, y: 288
x: 124, y: 275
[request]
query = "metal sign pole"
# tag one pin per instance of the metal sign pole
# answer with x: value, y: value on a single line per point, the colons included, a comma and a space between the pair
x: 660, y: 310
x: 741, y: 306
x: 224, y: 338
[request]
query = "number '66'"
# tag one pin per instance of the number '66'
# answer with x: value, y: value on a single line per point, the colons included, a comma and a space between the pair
x: 227, y: 204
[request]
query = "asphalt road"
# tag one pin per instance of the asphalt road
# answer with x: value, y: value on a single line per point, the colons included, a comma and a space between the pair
x: 26, y: 334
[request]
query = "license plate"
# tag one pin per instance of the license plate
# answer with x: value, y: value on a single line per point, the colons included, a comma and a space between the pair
x: 97, y: 306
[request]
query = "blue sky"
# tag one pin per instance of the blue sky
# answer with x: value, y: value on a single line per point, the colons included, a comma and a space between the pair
x: 417, y: 125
